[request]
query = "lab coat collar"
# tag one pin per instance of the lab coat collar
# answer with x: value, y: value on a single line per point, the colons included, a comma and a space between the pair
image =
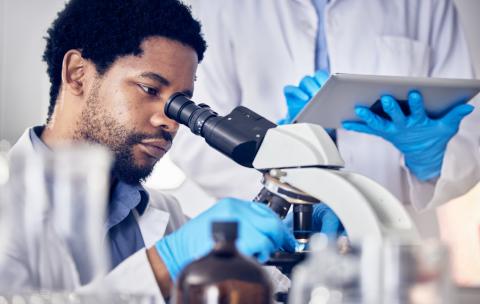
x: 153, y: 225
x: 35, y: 136
x: 23, y: 146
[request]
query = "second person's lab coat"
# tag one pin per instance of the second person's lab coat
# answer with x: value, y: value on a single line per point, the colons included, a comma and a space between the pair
x: 255, y: 48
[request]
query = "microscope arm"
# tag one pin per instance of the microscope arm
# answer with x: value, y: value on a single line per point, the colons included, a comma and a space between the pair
x: 364, y: 207
x: 306, y: 158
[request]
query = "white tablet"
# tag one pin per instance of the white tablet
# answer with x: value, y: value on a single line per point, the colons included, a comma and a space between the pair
x: 336, y: 100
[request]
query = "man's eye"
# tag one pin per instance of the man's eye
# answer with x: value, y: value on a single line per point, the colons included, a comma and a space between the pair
x: 148, y: 90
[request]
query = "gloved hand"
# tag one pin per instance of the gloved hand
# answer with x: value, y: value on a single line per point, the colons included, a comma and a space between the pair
x: 324, y: 220
x: 298, y: 97
x: 261, y: 233
x: 422, y: 140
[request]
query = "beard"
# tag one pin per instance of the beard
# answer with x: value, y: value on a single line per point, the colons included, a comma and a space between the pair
x: 97, y: 125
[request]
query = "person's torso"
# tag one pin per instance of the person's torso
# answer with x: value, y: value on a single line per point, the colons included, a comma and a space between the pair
x: 363, y: 37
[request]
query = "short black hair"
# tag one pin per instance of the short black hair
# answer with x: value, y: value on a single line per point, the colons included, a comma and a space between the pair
x: 104, y: 30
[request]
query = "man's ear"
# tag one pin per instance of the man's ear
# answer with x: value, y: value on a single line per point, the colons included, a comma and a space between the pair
x: 73, y: 72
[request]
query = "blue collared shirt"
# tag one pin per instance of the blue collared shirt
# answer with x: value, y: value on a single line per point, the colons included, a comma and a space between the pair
x: 124, y: 236
x: 122, y: 226
x: 321, y: 52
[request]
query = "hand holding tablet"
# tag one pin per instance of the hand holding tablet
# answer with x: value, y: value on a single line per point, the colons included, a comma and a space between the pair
x: 418, y: 116
x: 336, y: 101
x: 421, y: 139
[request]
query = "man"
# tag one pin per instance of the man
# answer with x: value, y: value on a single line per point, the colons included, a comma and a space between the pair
x: 112, y: 66
x: 256, y: 48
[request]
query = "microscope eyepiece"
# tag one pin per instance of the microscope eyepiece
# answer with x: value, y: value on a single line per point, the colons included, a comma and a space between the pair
x: 237, y: 135
x: 186, y: 112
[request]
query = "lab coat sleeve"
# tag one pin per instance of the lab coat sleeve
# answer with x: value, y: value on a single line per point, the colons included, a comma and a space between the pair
x: 219, y: 87
x: 460, y: 169
x: 461, y: 164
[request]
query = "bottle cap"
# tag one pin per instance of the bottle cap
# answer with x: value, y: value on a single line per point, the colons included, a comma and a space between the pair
x: 225, y: 231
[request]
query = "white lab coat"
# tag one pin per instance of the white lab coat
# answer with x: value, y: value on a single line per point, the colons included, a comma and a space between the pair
x: 255, y: 48
x: 29, y: 269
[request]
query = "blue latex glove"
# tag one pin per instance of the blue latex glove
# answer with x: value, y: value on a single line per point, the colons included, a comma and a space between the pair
x: 298, y: 97
x: 324, y: 220
x: 261, y: 233
x: 422, y: 140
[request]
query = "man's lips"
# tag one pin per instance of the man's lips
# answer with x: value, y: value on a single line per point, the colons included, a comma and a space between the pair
x: 155, y: 149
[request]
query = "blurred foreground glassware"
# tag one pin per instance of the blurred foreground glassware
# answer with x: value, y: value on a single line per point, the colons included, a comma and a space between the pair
x: 417, y: 273
x: 390, y: 271
x: 4, y: 176
x: 56, y: 207
x: 80, y: 190
x: 74, y: 298
x: 328, y: 277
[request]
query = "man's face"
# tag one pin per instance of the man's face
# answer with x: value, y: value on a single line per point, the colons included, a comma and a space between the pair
x: 124, y: 107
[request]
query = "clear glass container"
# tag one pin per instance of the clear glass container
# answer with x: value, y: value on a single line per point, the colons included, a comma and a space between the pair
x: 75, y: 298
x: 389, y: 271
x: 4, y: 217
x: 55, y: 207
x: 417, y: 273
x: 78, y: 206
x: 330, y: 277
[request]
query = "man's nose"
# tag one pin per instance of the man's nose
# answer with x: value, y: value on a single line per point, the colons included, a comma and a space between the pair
x: 160, y: 120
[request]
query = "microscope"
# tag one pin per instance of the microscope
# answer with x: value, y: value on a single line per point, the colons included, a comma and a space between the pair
x: 301, y: 167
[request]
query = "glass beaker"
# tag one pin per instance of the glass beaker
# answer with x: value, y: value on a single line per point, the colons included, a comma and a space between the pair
x: 56, y: 208
x: 417, y: 273
x: 47, y: 297
x: 4, y: 217
x: 79, y: 203
x: 330, y: 277
x: 25, y: 264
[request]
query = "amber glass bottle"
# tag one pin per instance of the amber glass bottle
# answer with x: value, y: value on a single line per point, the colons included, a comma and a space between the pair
x: 224, y: 275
